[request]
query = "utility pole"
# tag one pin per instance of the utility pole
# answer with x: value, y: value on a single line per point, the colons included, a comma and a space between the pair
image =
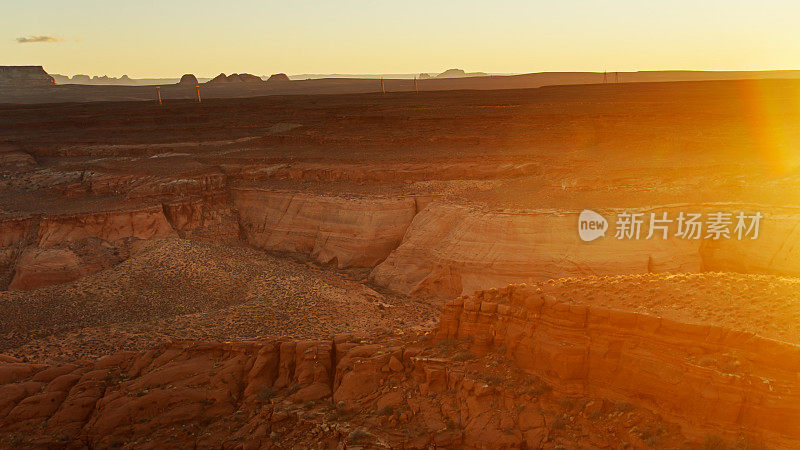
x: 416, y: 87
x: 616, y: 77
x: 605, y: 77
x: 158, y: 92
x: 383, y: 89
x: 198, y: 94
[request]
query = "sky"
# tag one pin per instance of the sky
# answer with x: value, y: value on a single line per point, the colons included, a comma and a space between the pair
x: 167, y: 38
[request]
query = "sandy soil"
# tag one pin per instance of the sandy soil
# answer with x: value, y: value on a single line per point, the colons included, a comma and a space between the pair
x: 180, y: 289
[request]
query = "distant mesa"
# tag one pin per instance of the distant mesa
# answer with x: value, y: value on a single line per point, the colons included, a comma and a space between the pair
x: 452, y: 73
x: 25, y: 76
x: 424, y: 76
x: 105, y: 80
x: 244, y: 78
x: 459, y: 73
x: 188, y: 79
x: 221, y: 78
x: 236, y: 78
x: 278, y: 77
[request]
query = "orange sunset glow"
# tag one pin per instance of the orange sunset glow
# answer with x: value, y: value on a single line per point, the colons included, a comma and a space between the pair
x: 421, y: 225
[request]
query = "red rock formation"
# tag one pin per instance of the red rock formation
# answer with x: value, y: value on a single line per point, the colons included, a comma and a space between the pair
x: 42, y: 267
x: 36, y: 267
x: 650, y: 361
x: 278, y: 394
x: 40, y: 251
x: 109, y: 226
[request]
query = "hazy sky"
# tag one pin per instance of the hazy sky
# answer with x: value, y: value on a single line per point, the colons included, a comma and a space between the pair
x: 171, y: 37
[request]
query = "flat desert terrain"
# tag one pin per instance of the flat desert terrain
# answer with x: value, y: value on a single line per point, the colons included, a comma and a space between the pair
x: 402, y: 270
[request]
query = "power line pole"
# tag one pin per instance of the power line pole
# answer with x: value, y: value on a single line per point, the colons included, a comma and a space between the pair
x: 416, y: 87
x: 605, y: 77
x: 158, y: 93
x: 383, y: 89
x: 198, y: 94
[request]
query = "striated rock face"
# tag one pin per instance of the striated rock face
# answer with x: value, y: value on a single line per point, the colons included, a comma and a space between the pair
x: 332, y: 230
x: 450, y: 250
x: 24, y: 76
x: 662, y: 364
x: 110, y: 226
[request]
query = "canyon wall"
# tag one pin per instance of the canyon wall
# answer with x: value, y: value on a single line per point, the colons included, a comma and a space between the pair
x: 450, y: 250
x: 703, y: 376
x: 414, y: 245
x: 332, y: 230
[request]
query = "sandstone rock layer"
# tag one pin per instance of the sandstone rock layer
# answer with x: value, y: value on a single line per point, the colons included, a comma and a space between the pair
x: 655, y: 362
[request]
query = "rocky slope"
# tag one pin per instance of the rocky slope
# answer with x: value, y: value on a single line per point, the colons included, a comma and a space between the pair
x: 561, y: 364
x: 170, y: 289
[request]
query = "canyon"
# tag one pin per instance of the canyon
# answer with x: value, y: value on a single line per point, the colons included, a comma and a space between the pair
x: 261, y: 270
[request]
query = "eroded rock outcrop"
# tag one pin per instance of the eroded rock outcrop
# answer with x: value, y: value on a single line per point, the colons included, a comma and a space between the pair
x: 110, y: 226
x: 37, y: 267
x: 287, y: 393
x: 658, y: 363
x: 332, y: 230
x: 38, y: 251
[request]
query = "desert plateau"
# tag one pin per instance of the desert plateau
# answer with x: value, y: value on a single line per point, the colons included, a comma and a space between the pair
x: 401, y: 270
